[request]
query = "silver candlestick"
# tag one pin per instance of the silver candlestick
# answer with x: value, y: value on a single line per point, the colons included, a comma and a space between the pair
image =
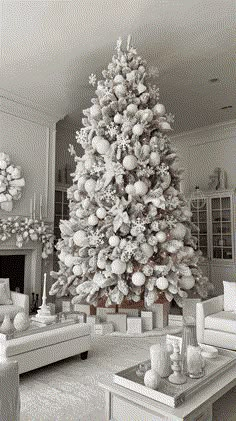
x: 176, y: 377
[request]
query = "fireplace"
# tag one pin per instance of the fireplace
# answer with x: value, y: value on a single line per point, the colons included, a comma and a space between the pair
x: 13, y: 267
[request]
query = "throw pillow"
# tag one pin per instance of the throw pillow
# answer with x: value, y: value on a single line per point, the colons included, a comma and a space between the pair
x: 4, y: 299
x: 229, y: 296
x: 6, y: 282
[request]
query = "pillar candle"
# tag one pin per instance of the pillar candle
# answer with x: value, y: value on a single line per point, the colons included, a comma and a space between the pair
x: 44, y: 285
x: 40, y: 207
x: 34, y: 206
x: 31, y: 208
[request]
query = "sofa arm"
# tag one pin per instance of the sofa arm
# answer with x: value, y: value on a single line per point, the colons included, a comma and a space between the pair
x: 21, y: 300
x: 204, y: 309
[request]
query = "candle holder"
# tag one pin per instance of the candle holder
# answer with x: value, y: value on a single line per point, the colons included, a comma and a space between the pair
x: 176, y: 377
x: 195, y: 362
x: 44, y: 313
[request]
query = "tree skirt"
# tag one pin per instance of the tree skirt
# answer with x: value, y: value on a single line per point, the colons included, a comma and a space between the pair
x: 155, y: 332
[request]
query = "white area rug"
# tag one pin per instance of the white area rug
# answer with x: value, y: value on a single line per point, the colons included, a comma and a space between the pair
x: 69, y: 391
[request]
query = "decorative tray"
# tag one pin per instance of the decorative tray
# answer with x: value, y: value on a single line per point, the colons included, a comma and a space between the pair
x: 171, y: 394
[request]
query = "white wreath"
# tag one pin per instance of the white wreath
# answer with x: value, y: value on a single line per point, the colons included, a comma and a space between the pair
x: 11, y: 182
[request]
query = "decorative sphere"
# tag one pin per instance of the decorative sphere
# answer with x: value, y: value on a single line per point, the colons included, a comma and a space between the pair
x: 90, y: 185
x: 137, y: 129
x: 162, y: 282
x: 92, y: 220
x: 147, y: 249
x: 146, y: 150
x: 164, y: 126
x: 130, y: 162
x: 138, y: 279
x: 118, y: 79
x: 79, y: 213
x: 96, y: 112
x: 101, y: 264
x: 102, y: 146
x: 141, y: 188
x: 98, y: 279
x: 154, y: 159
x: 69, y: 260
x: 159, y: 110
x: 120, y: 91
x: 132, y: 109
x: 152, y: 379
x: 118, y: 119
x: 101, y: 213
x: 161, y: 236
x: 114, y: 241
x: 187, y: 282
x: 21, y: 321
x: 89, y: 161
x: 118, y: 267
x: 130, y: 189
x: 179, y: 231
x: 80, y: 237
x: 95, y: 141
x: 77, y: 270
x: 147, y: 116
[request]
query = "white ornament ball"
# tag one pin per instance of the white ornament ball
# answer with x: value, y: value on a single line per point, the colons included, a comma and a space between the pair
x: 187, y: 282
x: 159, y: 110
x: 147, y: 116
x: 114, y: 241
x: 152, y: 379
x: 162, y: 282
x: 21, y: 321
x: 130, y: 162
x: 96, y: 112
x: 179, y: 231
x: 69, y: 260
x: 62, y: 256
x: 120, y: 91
x: 164, y: 126
x: 130, y: 189
x: 138, y: 279
x: 101, y: 213
x: 102, y: 146
x: 89, y: 161
x: 79, y: 237
x: 95, y: 141
x: 92, y: 220
x: 77, y: 270
x: 141, y: 188
x: 118, y: 119
x: 90, y: 185
x: 161, y: 236
x: 101, y: 264
x: 154, y: 159
x: 118, y: 267
x: 132, y: 109
x: 146, y: 150
x: 98, y: 279
x: 118, y: 79
x: 147, y: 249
x: 137, y: 129
x: 79, y: 213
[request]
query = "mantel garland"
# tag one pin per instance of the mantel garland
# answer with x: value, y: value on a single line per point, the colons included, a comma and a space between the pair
x: 11, y: 182
x: 26, y: 229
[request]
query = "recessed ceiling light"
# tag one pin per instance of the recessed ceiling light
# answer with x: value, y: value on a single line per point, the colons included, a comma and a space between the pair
x: 227, y: 107
x: 213, y: 80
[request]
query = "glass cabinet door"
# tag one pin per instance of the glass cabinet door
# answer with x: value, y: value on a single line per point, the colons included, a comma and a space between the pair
x: 61, y: 210
x: 221, y: 226
x: 199, y: 218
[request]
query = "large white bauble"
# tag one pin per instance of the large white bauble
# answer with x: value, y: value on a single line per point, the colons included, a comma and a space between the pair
x: 92, y: 220
x: 21, y: 321
x: 130, y: 162
x: 152, y: 379
x: 162, y: 282
x: 130, y: 189
x: 98, y: 279
x: 164, y: 126
x: 138, y: 279
x: 118, y: 267
x: 79, y: 213
x: 120, y: 90
x: 101, y: 213
x: 62, y: 256
x: 96, y: 112
x: 154, y: 159
x: 159, y: 109
x: 118, y: 79
x: 77, y: 270
x: 102, y: 146
x: 141, y: 188
x: 118, y: 119
x: 69, y: 260
x: 79, y: 237
x: 146, y: 150
x: 147, y: 116
x: 137, y: 129
x: 132, y: 109
x: 161, y: 236
x: 114, y: 241
x: 80, y: 166
x: 101, y: 264
x: 90, y: 185
x: 187, y: 282
x: 179, y: 231
x: 80, y: 183
x: 96, y: 140
x: 147, y: 249
x: 89, y: 161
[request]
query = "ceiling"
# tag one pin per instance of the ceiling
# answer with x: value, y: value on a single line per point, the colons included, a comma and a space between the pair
x: 49, y: 48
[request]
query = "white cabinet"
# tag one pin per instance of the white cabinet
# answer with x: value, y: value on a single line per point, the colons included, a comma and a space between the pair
x: 216, y: 236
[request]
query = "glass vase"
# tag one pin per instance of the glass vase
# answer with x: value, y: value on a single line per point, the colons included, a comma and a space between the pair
x: 189, y: 338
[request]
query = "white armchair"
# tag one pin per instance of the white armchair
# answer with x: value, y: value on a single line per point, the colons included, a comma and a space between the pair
x: 214, y: 325
x: 20, y: 303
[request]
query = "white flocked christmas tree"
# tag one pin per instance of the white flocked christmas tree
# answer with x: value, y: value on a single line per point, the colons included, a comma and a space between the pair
x: 129, y: 231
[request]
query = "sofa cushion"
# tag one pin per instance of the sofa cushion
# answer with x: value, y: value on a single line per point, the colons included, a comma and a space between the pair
x: 224, y: 321
x: 229, y: 296
x: 12, y: 310
x: 4, y: 298
x: 46, y: 338
x: 6, y: 282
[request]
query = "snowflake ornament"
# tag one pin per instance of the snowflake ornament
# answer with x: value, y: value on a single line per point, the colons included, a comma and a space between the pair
x: 163, y: 169
x: 71, y: 150
x: 112, y: 130
x: 92, y: 79
x: 96, y: 238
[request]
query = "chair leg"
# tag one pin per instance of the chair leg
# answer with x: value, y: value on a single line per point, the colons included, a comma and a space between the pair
x: 84, y: 355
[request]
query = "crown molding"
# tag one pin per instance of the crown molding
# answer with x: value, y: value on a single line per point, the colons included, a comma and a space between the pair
x: 228, y: 126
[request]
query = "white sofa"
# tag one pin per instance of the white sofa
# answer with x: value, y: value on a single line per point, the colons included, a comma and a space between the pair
x: 20, y: 303
x: 214, y: 325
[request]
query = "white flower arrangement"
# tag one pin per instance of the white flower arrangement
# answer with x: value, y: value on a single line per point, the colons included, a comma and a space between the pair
x: 27, y: 229
x: 11, y: 182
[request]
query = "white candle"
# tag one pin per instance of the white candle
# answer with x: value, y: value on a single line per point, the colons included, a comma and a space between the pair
x: 34, y: 206
x: 31, y: 208
x: 40, y: 206
x: 44, y: 285
x: 194, y: 360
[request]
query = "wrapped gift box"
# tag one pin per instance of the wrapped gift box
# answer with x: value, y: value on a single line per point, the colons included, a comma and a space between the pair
x: 131, y: 312
x: 160, y: 314
x: 134, y: 325
x: 119, y: 321
x: 91, y: 320
x: 103, y: 328
x: 147, y: 320
x: 84, y: 308
x: 66, y: 306
x: 103, y: 311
